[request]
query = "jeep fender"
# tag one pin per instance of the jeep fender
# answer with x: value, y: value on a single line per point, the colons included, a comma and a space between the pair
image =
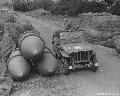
x: 64, y: 54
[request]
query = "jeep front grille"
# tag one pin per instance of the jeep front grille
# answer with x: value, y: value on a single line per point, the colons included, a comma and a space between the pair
x: 80, y: 56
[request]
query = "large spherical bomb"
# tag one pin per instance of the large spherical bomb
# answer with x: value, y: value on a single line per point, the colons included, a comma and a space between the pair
x: 31, y: 45
x: 18, y: 66
x: 47, y: 65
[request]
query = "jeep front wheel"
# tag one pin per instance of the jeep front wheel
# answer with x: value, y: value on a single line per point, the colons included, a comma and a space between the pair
x: 94, y: 65
x: 94, y: 68
x: 65, y: 66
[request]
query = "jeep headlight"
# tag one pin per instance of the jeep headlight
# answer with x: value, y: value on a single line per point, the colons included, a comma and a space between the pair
x: 77, y: 47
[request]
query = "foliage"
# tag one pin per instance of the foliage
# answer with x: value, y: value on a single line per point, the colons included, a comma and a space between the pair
x: 115, y: 9
x: 75, y: 7
x: 68, y: 7
x: 6, y: 46
x: 21, y: 5
x: 7, y: 17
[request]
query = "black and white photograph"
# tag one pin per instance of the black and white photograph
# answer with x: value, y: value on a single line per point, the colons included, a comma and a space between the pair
x: 59, y: 47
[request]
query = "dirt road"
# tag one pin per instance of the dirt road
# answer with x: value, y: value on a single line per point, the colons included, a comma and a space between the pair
x: 105, y: 82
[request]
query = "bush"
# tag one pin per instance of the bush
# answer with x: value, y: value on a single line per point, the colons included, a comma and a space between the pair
x: 75, y: 7
x: 7, y: 17
x: 7, y: 4
x: 21, y: 5
x: 63, y: 7
x: 47, y: 4
x: 97, y: 7
x: 115, y: 9
x: 68, y: 7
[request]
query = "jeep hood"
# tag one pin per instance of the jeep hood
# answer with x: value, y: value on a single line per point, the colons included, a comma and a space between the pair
x: 75, y: 47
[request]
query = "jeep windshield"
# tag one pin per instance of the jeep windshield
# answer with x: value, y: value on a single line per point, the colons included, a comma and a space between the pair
x: 71, y: 37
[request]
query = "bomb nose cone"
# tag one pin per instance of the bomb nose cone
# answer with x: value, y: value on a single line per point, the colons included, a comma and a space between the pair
x: 50, y: 70
x: 20, y: 74
x: 35, y: 52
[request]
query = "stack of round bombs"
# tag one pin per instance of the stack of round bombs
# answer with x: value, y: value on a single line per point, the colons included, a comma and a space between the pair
x: 31, y: 54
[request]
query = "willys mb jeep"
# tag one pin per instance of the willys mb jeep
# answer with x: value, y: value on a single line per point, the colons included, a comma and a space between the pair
x: 73, y: 52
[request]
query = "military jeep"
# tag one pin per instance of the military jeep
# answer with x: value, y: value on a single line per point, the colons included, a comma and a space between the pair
x: 73, y: 52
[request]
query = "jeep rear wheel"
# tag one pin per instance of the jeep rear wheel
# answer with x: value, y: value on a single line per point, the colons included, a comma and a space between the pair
x: 65, y: 66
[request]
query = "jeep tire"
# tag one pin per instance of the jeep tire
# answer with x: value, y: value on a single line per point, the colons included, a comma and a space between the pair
x: 93, y: 68
x: 65, y: 66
